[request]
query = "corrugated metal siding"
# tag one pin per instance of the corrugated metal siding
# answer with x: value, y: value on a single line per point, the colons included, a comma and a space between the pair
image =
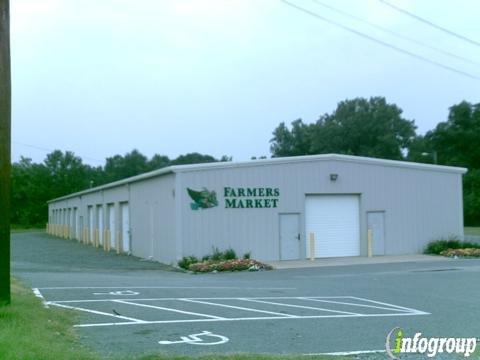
x: 152, y: 218
x: 420, y: 205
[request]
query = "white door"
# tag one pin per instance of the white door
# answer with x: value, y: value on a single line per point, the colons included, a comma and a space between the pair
x: 111, y: 225
x: 100, y: 224
x: 125, y: 227
x: 289, y: 237
x: 376, y: 223
x: 90, y: 225
x: 334, y: 220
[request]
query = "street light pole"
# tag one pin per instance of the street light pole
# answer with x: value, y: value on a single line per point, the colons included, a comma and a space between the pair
x: 5, y: 156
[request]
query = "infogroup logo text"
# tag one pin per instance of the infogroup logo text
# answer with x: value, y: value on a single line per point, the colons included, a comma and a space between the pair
x: 397, y: 343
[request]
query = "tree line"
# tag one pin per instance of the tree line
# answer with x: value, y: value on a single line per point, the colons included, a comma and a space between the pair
x: 63, y: 173
x: 363, y: 127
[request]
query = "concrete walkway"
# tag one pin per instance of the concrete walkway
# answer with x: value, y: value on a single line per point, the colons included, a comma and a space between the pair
x: 354, y: 260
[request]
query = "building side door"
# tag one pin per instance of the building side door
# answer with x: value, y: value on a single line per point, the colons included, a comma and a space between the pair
x: 289, y: 236
x: 376, y: 223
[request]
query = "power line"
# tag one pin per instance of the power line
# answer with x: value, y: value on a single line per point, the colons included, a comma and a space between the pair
x: 394, y: 33
x: 383, y: 43
x: 428, y: 22
x: 51, y: 150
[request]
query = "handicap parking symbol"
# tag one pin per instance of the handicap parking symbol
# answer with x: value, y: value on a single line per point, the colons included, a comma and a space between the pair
x: 196, y: 339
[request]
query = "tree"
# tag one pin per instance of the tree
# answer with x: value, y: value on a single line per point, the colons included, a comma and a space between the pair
x: 193, y: 158
x: 455, y: 143
x: 293, y: 142
x: 131, y: 164
x: 364, y: 127
x: 357, y: 127
x: 5, y: 158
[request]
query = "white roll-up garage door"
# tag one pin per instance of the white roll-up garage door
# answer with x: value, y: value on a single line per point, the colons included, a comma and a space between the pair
x: 334, y: 219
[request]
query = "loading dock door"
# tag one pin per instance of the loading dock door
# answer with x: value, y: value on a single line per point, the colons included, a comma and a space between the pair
x: 289, y: 237
x: 125, y: 227
x: 376, y: 223
x: 334, y: 219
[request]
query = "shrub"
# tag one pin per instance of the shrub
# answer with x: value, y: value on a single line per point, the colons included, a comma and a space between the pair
x: 217, y: 255
x: 247, y: 255
x: 229, y: 254
x: 470, y: 252
x: 230, y: 265
x: 186, y: 261
x: 436, y: 247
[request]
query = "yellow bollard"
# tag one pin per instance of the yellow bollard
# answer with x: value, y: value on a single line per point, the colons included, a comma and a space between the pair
x: 312, y: 246
x: 370, y: 242
x: 118, y: 242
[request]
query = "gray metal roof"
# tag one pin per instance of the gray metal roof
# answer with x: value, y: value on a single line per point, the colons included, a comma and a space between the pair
x: 272, y: 161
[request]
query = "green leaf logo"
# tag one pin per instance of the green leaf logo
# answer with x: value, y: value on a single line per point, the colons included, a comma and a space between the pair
x: 203, y: 199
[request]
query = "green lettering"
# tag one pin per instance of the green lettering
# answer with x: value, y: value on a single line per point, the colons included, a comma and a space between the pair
x: 258, y: 203
x: 251, y: 192
x: 226, y: 191
x: 269, y: 192
x: 241, y: 191
x: 266, y: 203
x: 276, y: 192
x: 261, y: 192
x: 275, y: 202
x: 230, y: 203
x: 249, y: 203
x: 240, y: 204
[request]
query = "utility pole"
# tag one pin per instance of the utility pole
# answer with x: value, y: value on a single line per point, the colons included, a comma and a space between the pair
x: 5, y: 156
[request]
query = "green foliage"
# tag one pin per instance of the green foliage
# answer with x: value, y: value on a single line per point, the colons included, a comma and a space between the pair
x: 357, y: 127
x: 186, y: 261
x: 63, y: 173
x: 437, y: 246
x: 229, y: 254
x: 216, y: 255
x: 247, y: 255
x: 20, y: 337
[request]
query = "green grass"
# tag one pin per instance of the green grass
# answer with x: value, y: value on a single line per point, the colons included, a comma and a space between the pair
x: 29, y: 331
x: 472, y: 231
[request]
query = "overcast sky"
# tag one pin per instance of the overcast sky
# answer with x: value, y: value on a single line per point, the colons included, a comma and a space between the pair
x: 217, y: 76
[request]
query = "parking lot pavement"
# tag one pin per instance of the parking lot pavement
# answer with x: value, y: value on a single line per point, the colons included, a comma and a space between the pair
x: 128, y: 306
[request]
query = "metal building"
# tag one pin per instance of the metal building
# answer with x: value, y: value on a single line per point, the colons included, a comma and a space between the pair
x: 277, y: 209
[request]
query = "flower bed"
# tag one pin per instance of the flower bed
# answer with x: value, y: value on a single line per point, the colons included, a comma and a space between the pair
x: 469, y: 252
x: 229, y: 265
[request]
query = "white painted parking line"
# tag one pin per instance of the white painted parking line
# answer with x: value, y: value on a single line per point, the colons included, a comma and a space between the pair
x: 247, y: 319
x: 356, y: 303
x: 39, y: 295
x: 351, y: 304
x: 395, y: 306
x: 168, y: 309
x: 300, y: 306
x: 164, y: 287
x: 239, y: 307
x: 138, y: 321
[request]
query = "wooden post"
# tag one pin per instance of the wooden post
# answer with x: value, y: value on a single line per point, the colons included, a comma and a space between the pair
x: 370, y: 242
x: 5, y: 151
x: 312, y: 246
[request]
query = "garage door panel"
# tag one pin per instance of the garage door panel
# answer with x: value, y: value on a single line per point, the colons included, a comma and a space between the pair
x: 334, y: 219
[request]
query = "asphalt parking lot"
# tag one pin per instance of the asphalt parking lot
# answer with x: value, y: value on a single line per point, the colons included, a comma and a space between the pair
x: 130, y: 306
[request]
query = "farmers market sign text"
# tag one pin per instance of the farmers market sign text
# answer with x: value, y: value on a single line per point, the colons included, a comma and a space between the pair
x: 251, y: 198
